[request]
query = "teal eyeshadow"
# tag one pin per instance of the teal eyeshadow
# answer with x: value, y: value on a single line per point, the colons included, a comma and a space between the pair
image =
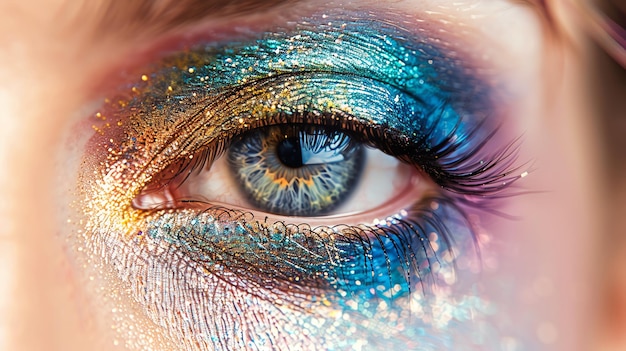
x: 386, y: 75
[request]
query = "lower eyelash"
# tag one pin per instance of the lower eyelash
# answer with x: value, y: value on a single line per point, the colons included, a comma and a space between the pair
x: 300, y: 265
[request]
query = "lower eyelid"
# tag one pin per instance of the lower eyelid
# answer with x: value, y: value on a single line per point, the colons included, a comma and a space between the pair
x: 184, y: 275
x: 394, y: 253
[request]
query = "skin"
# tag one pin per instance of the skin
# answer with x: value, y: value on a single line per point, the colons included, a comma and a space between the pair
x: 564, y: 250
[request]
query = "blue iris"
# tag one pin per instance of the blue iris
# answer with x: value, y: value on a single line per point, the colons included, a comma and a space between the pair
x: 296, y: 170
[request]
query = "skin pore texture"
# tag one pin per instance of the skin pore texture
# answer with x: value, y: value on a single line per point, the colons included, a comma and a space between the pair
x: 90, y: 122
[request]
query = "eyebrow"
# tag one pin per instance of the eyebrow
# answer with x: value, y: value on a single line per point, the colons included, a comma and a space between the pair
x: 134, y: 18
x: 154, y: 16
x: 161, y: 15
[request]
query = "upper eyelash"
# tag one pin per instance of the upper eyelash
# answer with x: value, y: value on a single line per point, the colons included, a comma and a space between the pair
x: 475, y: 172
x: 466, y: 173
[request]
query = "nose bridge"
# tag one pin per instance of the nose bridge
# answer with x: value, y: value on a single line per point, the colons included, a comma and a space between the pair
x: 39, y: 310
x: 44, y: 311
x: 41, y: 305
x: 7, y: 275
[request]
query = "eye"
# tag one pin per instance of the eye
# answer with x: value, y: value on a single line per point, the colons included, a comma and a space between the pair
x: 294, y: 170
x: 319, y: 173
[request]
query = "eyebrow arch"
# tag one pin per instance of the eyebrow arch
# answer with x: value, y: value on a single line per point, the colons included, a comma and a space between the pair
x: 150, y: 16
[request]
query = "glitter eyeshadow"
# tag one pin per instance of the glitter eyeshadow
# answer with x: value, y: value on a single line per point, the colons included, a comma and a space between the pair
x: 219, y: 278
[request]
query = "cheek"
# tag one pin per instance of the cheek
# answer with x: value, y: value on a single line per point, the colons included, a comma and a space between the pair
x: 546, y: 265
x: 41, y: 300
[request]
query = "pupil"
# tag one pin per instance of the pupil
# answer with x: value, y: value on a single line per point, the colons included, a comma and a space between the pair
x: 290, y: 153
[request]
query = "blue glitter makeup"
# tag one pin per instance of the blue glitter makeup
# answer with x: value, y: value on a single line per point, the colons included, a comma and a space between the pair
x: 223, y: 278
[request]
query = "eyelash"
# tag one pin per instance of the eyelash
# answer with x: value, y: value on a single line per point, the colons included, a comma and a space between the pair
x: 460, y: 171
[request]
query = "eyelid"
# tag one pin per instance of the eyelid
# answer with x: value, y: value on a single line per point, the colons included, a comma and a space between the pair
x: 458, y: 127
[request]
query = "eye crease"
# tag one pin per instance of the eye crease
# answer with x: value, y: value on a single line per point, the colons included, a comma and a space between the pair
x: 295, y: 115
